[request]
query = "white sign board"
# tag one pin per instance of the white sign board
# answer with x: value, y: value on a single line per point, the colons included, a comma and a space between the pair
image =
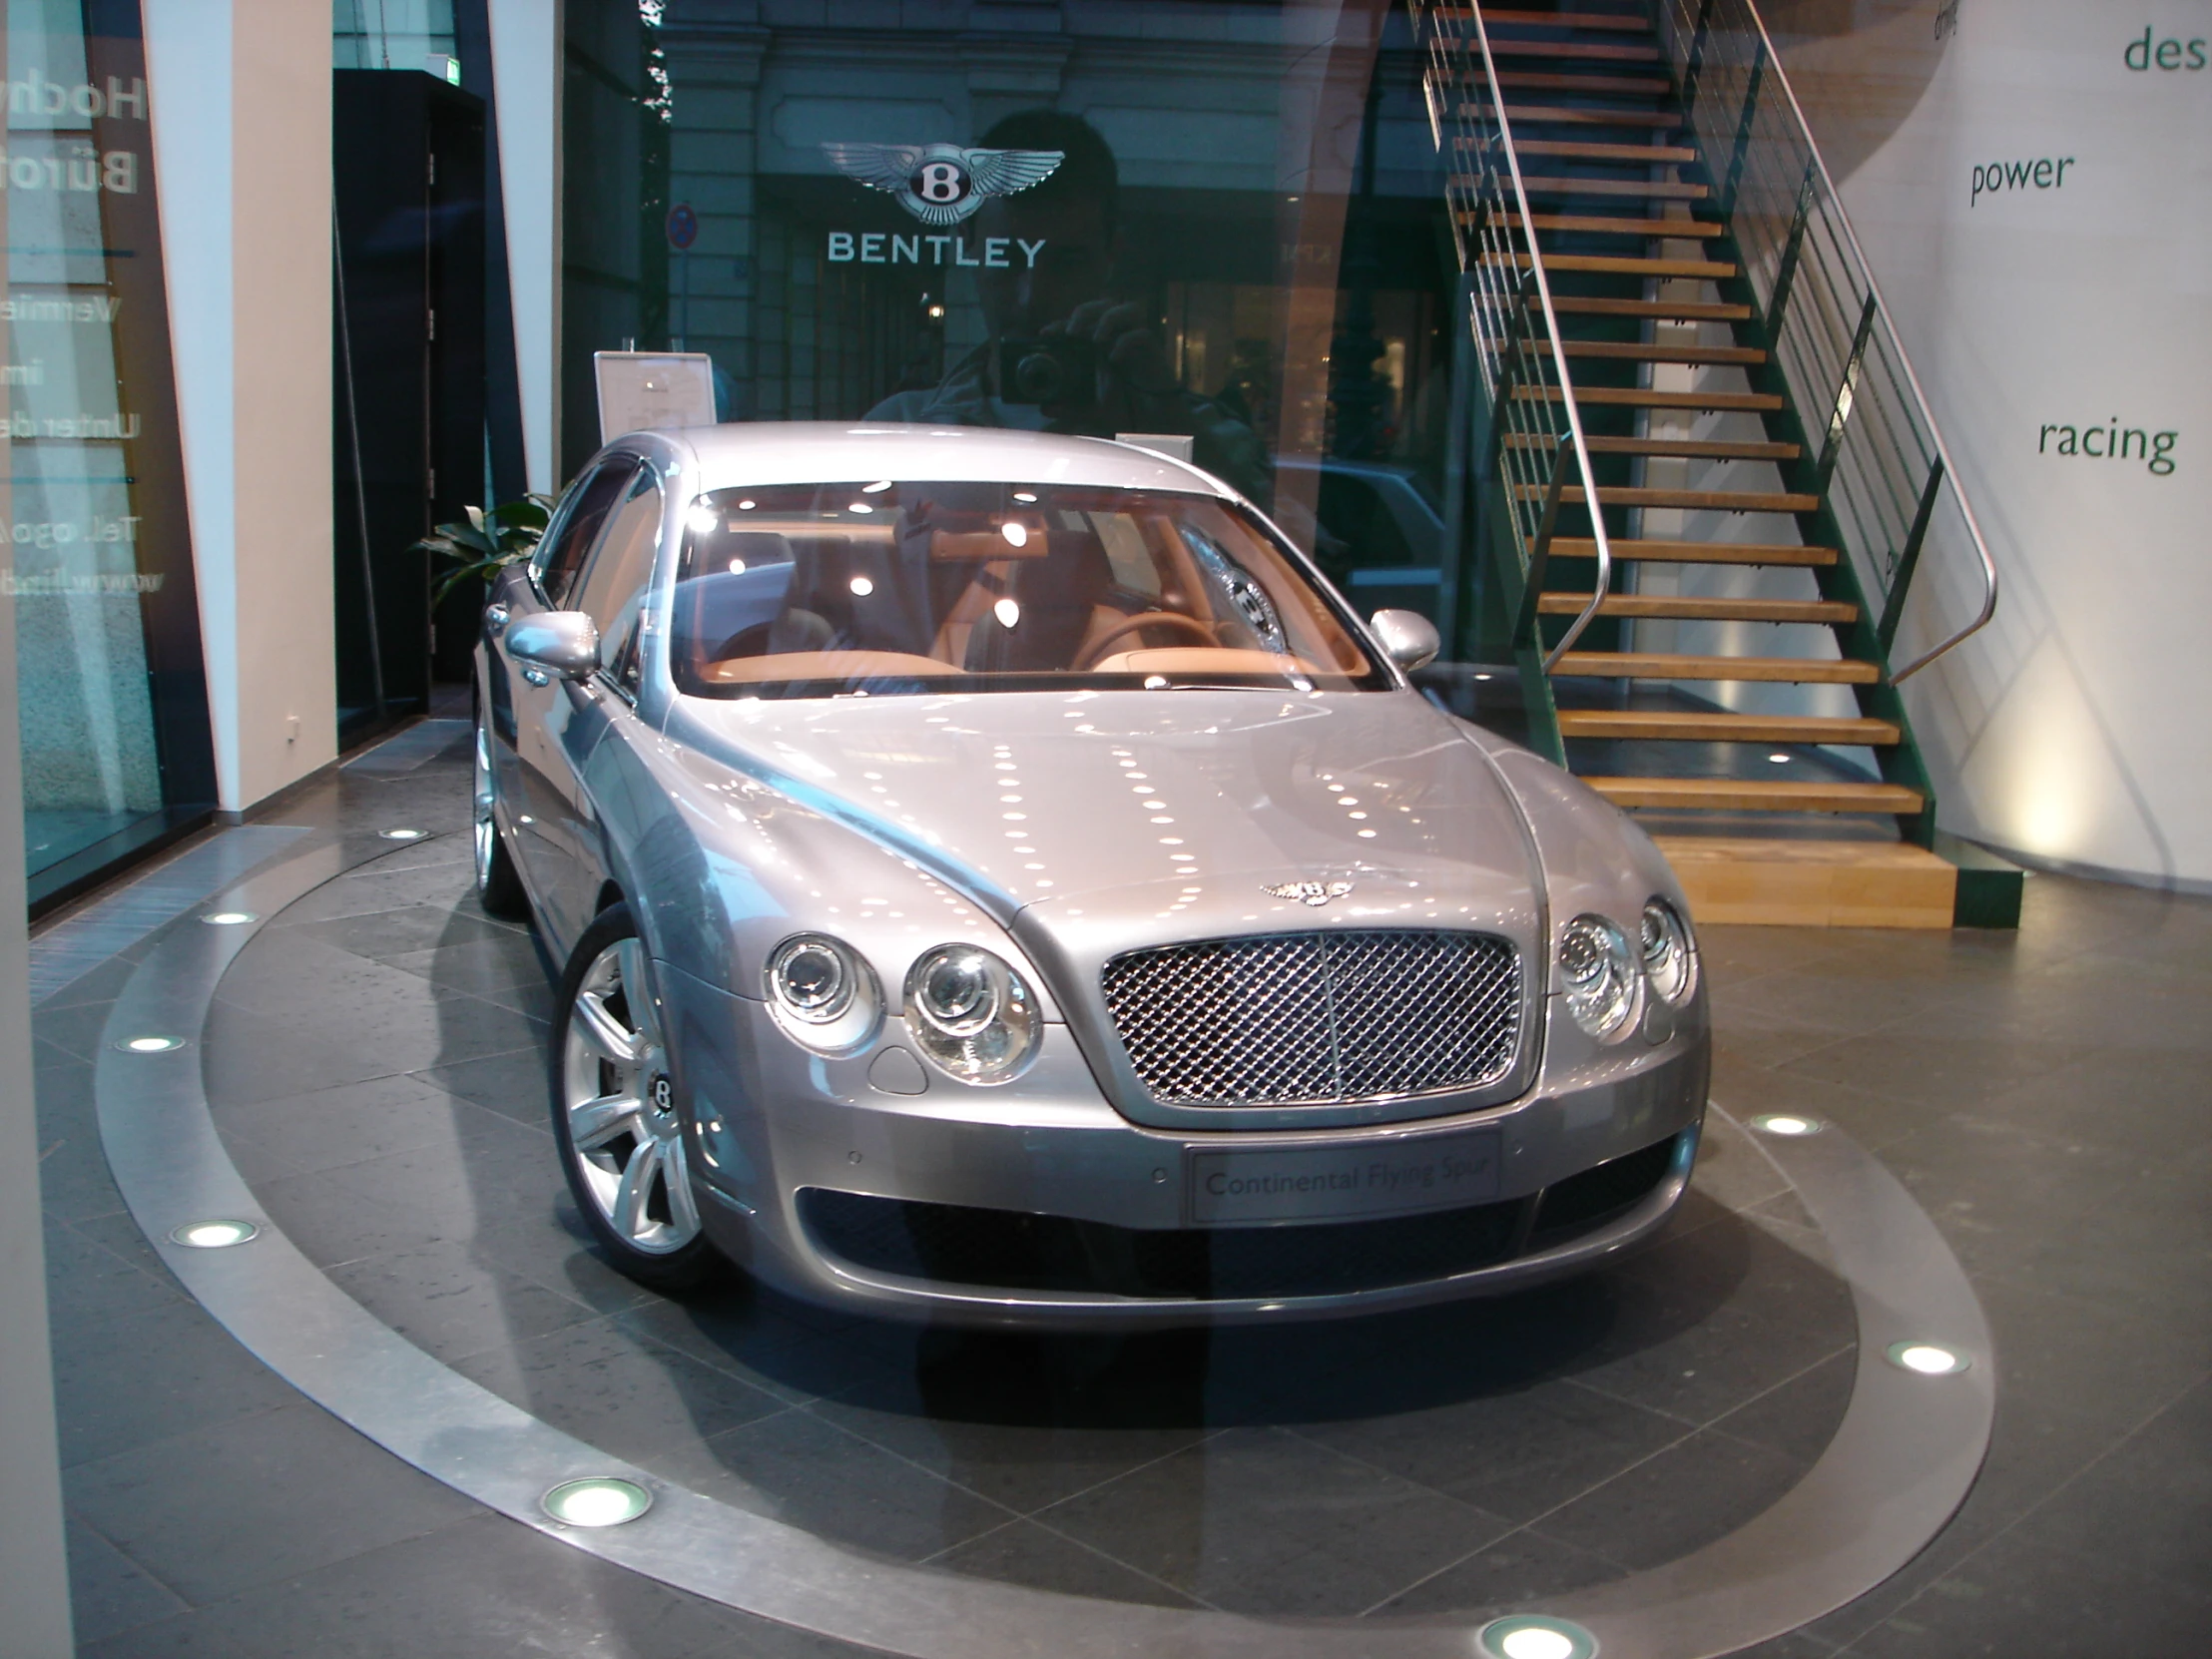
x: 640, y: 390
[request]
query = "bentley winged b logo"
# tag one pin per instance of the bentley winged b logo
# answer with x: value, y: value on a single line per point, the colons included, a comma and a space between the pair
x: 943, y: 184
x: 1315, y: 893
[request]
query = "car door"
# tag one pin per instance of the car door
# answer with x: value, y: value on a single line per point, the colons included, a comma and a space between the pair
x: 523, y: 698
x: 557, y: 749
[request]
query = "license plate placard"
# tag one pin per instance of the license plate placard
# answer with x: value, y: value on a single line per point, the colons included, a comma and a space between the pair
x: 1343, y: 1182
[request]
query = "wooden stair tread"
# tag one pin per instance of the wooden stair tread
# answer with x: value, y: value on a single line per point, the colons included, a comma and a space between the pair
x: 1576, y: 148
x: 1635, y: 351
x: 1643, y: 397
x: 1608, y: 264
x: 1567, y: 115
x: 1756, y: 795
x: 1711, y: 449
x: 1790, y: 883
x: 1655, y: 190
x: 1623, y: 22
x: 1716, y: 501
x: 1698, y: 726
x: 1695, y: 552
x: 1830, y: 612
x: 1653, y: 230
x: 1662, y: 664
x: 1685, y: 311
x: 1584, y: 51
x: 1603, y: 86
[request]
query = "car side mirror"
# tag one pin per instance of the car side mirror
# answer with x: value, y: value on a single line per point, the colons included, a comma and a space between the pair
x: 565, y: 642
x: 1407, y: 638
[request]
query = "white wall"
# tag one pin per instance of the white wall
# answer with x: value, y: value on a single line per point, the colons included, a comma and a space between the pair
x: 240, y: 93
x: 526, y: 61
x: 2072, y: 730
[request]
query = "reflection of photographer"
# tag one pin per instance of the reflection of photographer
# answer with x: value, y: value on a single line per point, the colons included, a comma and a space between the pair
x: 1063, y: 357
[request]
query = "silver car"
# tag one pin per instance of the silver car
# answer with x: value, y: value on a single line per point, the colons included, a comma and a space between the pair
x: 1001, y: 882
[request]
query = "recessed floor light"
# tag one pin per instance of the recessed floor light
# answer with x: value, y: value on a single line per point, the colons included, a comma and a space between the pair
x: 151, y: 1045
x: 1927, y: 1359
x: 402, y: 834
x: 228, y: 918
x: 602, y: 1500
x: 212, y: 1235
x: 1533, y: 1636
x: 1779, y: 760
x: 1785, y: 1123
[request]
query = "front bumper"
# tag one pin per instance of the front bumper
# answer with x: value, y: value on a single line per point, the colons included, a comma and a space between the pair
x: 792, y: 1146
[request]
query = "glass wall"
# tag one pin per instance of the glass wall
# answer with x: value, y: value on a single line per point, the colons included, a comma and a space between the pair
x: 1243, y: 239
x: 111, y: 699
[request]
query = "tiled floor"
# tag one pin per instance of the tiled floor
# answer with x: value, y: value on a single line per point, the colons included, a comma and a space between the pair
x: 373, y: 1062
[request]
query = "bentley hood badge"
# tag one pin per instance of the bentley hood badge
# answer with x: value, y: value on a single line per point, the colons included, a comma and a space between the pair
x: 1315, y: 893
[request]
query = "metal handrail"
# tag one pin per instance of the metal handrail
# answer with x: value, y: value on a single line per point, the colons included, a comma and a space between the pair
x: 1538, y: 553
x: 1771, y: 65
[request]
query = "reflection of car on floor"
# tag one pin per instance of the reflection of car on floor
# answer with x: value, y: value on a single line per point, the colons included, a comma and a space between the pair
x: 1000, y: 882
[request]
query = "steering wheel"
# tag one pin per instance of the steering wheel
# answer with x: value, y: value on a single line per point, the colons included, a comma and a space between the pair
x: 1146, y: 619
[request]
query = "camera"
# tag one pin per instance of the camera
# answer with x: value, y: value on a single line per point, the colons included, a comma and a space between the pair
x: 1050, y: 369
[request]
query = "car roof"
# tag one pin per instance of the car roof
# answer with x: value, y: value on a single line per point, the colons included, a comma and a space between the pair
x: 821, y: 451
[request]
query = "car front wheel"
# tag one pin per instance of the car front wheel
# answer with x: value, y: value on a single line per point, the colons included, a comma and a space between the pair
x: 615, y: 1116
x: 498, y: 885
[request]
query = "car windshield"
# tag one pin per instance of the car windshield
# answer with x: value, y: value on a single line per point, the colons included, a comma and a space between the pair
x: 884, y: 587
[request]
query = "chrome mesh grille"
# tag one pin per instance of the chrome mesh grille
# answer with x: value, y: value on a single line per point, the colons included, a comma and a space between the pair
x: 1314, y: 1019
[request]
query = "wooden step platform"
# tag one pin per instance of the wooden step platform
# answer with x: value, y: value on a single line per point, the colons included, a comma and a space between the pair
x: 1828, y: 613
x: 1601, y: 86
x: 1563, y: 115
x: 1665, y: 310
x: 1666, y: 665
x: 1650, y: 230
x: 1736, y: 794
x: 1721, y: 726
x: 1643, y: 397
x: 1746, y: 881
x: 1709, y: 501
x: 1696, y: 552
x: 1695, y: 449
x: 1585, y: 52
x: 1576, y: 150
x: 1646, y: 189
x: 1620, y: 22
x: 1636, y: 351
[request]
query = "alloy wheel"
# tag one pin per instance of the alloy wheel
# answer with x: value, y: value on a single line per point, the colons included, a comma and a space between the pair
x: 486, y: 832
x: 623, y: 1123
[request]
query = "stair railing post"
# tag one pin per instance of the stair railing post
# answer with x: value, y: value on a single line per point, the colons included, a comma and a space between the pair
x: 1840, y: 410
x: 1893, y: 603
x: 1742, y: 134
x: 1459, y: 442
x: 1695, y: 67
x: 1785, y: 274
x: 1525, y: 627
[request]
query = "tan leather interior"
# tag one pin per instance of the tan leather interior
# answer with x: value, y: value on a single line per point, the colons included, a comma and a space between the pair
x: 1202, y: 659
x: 825, y: 665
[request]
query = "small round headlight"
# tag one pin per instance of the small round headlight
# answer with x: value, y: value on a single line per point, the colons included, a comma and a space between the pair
x: 973, y: 1017
x: 821, y: 993
x: 1669, y: 963
x: 1600, y: 975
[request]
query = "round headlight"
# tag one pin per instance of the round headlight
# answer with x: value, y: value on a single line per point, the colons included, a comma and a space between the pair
x: 821, y: 993
x: 1668, y: 961
x: 972, y: 1014
x: 1600, y: 975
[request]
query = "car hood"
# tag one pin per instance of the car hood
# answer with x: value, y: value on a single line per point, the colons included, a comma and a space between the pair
x: 1116, y: 818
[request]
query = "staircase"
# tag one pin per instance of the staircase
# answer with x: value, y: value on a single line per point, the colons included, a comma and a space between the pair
x: 1699, y: 475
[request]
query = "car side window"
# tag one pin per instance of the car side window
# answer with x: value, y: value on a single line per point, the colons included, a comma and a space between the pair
x: 613, y: 587
x: 561, y: 555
